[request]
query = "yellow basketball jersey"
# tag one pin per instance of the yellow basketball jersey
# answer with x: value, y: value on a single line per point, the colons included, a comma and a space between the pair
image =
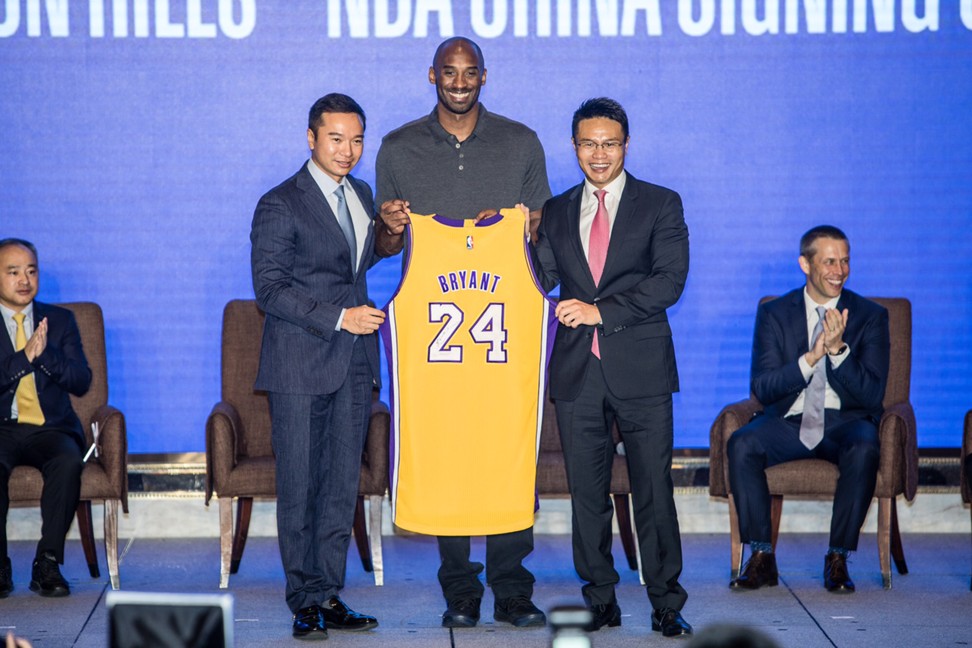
x: 466, y: 339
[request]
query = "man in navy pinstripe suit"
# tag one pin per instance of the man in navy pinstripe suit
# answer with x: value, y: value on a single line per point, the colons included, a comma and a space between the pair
x: 313, y: 240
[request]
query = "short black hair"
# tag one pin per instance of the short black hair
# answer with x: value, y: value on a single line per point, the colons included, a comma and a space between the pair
x: 334, y: 102
x: 808, y: 242
x: 600, y: 107
x: 19, y: 241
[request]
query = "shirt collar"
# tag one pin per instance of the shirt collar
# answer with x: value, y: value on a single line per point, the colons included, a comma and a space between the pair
x: 481, y: 131
x: 325, y: 182
x: 613, y: 188
x: 8, y: 313
x: 811, y: 306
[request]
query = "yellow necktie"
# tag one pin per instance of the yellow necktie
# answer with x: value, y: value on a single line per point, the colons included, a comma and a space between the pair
x: 28, y: 405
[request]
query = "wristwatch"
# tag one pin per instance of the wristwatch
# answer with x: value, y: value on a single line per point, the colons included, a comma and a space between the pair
x: 840, y: 351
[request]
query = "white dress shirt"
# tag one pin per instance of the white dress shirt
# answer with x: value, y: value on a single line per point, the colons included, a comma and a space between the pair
x: 831, y: 399
x: 589, y: 206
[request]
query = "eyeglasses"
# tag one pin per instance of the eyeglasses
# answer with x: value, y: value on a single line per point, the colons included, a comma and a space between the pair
x: 589, y: 146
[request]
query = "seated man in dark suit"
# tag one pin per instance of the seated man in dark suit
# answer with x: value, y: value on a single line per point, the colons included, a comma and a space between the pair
x: 820, y: 366
x: 41, y: 363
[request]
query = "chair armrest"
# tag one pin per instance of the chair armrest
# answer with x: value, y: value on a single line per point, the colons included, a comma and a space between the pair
x: 374, y: 460
x: 898, y: 434
x: 223, y: 429
x: 731, y: 418
x: 113, y: 449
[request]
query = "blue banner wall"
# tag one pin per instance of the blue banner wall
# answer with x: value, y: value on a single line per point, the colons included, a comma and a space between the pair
x: 136, y: 137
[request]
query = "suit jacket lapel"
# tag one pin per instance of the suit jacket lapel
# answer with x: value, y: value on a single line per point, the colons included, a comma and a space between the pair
x: 369, y: 208
x: 623, y: 221
x: 798, y: 321
x: 6, y: 346
x: 317, y: 204
x: 573, y: 223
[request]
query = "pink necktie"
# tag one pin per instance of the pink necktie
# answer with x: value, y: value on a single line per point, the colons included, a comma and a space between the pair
x: 597, y: 248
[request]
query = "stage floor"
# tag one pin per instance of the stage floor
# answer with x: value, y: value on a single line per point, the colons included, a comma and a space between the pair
x: 931, y: 606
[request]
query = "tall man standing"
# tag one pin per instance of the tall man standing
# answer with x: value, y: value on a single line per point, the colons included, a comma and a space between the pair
x: 41, y: 364
x: 820, y: 363
x: 461, y: 161
x: 313, y: 239
x: 618, y: 247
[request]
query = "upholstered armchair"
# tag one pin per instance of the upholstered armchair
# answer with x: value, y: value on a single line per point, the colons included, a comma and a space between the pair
x: 105, y: 475
x: 816, y: 478
x: 239, y: 457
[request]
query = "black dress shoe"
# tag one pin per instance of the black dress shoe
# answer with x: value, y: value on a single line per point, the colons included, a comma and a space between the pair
x: 520, y: 611
x: 836, y: 577
x: 338, y: 616
x: 45, y: 577
x: 461, y: 613
x: 760, y: 570
x: 309, y: 624
x: 604, y: 614
x: 670, y: 623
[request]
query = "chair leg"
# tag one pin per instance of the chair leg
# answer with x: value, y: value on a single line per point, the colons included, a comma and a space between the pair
x: 897, y: 550
x: 111, y: 542
x: 623, y: 512
x: 225, y: 539
x: 735, y: 543
x: 884, y: 539
x: 776, y: 514
x: 243, y: 509
x: 358, y: 529
x: 86, y: 530
x: 374, y: 506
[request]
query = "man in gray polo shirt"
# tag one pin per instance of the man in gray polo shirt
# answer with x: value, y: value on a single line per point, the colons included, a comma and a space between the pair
x: 461, y: 162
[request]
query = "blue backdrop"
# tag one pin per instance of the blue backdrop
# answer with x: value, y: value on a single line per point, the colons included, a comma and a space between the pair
x: 136, y: 137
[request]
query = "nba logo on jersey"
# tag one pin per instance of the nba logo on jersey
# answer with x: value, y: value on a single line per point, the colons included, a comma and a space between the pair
x: 467, y: 337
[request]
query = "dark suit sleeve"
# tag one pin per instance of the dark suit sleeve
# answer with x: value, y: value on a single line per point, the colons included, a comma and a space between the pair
x: 63, y: 358
x: 861, y: 379
x: 669, y: 253
x: 273, y: 258
x: 544, y: 261
x: 12, y: 368
x: 774, y: 375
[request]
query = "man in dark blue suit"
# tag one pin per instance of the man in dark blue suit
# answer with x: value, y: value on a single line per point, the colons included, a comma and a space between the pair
x: 41, y: 364
x: 313, y: 239
x: 618, y: 247
x: 854, y: 346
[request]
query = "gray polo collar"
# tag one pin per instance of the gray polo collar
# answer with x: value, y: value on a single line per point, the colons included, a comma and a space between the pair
x: 481, y: 131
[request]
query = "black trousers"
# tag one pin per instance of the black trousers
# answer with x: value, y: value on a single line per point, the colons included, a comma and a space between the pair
x: 646, y: 429
x: 56, y: 453
x: 850, y: 443
x: 505, y: 573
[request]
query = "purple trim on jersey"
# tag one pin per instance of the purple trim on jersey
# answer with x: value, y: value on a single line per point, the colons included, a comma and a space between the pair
x: 450, y: 222
x: 407, y: 252
x: 386, y: 337
x: 490, y: 220
x: 551, y: 318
